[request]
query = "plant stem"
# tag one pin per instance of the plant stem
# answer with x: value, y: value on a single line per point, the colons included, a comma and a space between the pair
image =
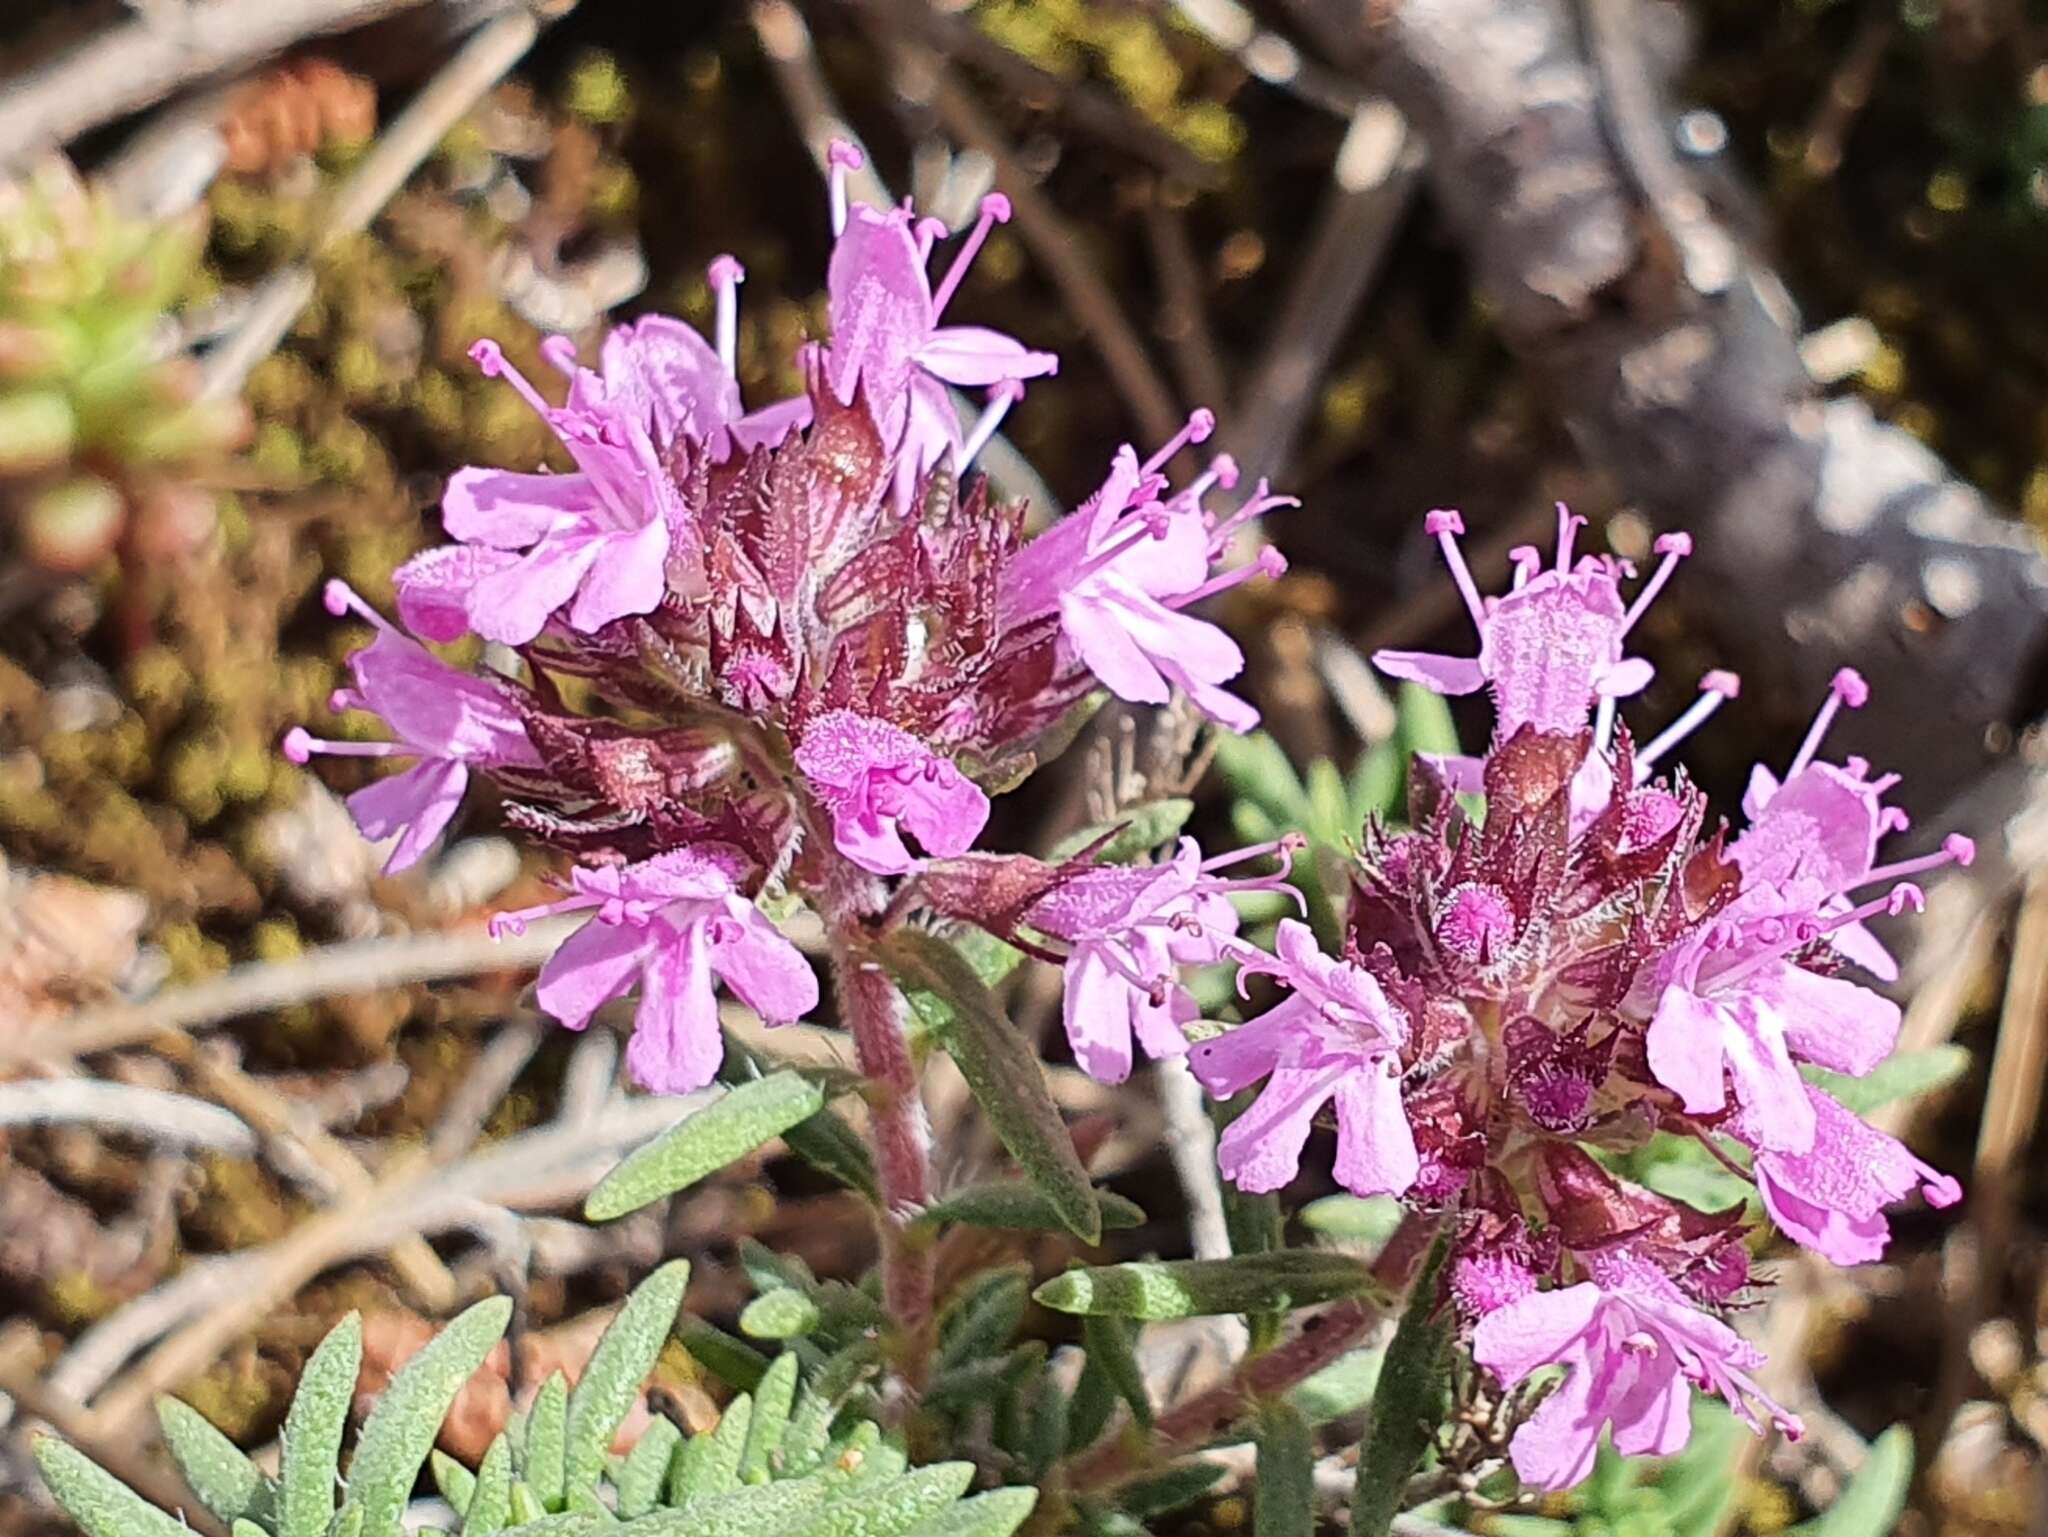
x: 874, y: 1012
x: 1408, y: 1406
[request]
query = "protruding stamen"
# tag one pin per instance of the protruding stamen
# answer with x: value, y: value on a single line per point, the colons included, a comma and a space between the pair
x: 1568, y: 525
x: 1848, y: 688
x: 1716, y: 689
x: 490, y: 358
x: 1955, y: 850
x: 927, y: 232
x: 1444, y: 525
x: 1260, y: 504
x: 338, y: 598
x: 559, y: 352
x: 1222, y: 471
x: 1268, y: 562
x: 345, y: 699
x: 515, y: 921
x: 995, y: 209
x: 1603, y: 722
x: 1674, y: 548
x: 300, y: 746
x: 1001, y: 397
x: 1200, y: 423
x: 1528, y: 560
x: 1894, y: 902
x: 1284, y: 848
x: 725, y: 275
x: 840, y: 157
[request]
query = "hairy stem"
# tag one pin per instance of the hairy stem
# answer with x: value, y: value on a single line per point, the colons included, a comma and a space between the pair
x: 874, y: 1012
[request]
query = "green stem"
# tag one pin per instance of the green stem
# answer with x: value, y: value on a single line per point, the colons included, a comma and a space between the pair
x: 1408, y: 1405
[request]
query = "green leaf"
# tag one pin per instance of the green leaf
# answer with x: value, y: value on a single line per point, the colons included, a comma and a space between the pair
x: 773, y: 1400
x: 610, y: 1384
x: 1699, y: 1487
x: 782, y: 1314
x: 722, y: 1132
x: 645, y: 1469
x: 401, y: 1429
x: 1906, y: 1076
x: 995, y: 1514
x: 709, y: 1465
x: 1175, y: 1489
x: 309, y: 1467
x: 731, y: 1361
x: 527, y: 1509
x: 1111, y: 1346
x: 215, y: 1469
x: 1016, y: 1204
x: 1870, y: 1506
x: 1250, y: 1283
x: 1256, y: 769
x: 1284, y: 1498
x: 1329, y: 805
x: 1407, y: 1406
x: 809, y: 1432
x: 242, y: 1527
x: 95, y: 1499
x: 983, y: 1320
x: 1001, y: 1068
x: 825, y: 1141
x: 784, y: 1509
x: 1375, y: 786
x: 490, y: 1502
x: 546, y: 1441
x: 1133, y: 833
x: 456, y: 1483
x: 891, y: 1509
x: 1343, y: 1387
x: 1425, y: 723
x: 1353, y: 1219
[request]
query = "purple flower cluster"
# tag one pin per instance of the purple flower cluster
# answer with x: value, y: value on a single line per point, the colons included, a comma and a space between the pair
x: 791, y: 650
x: 1584, y: 965
x: 788, y: 649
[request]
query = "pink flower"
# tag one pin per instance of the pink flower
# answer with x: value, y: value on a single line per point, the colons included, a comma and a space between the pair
x: 1337, y: 1037
x: 886, y: 333
x: 1128, y: 929
x: 595, y: 542
x: 1832, y: 1199
x: 879, y: 781
x: 1552, y: 646
x: 1121, y: 571
x: 447, y: 719
x: 1630, y: 1343
x: 672, y: 923
x: 671, y: 382
x: 1734, y: 999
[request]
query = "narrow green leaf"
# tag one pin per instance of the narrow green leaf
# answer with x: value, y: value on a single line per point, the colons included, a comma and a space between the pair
x: 456, y: 1483
x: 722, y: 1132
x: 95, y: 1499
x: 1132, y: 833
x: 1002, y: 1070
x: 546, y: 1438
x: 402, y: 1428
x: 1045, y: 1427
x: 645, y: 1470
x: 894, y: 1508
x: 241, y: 1526
x: 772, y: 1402
x: 347, y: 1522
x: 1284, y: 1499
x: 1249, y: 1283
x: 1375, y: 785
x: 1091, y: 1405
x: 1162, y: 1494
x: 782, y: 1314
x: 1353, y: 1219
x: 1016, y: 1204
x: 215, y: 1469
x: 709, y: 1465
x: 610, y: 1384
x: 765, y: 1510
x: 490, y: 1502
x: 1699, y: 1487
x: 1870, y: 1506
x: 1343, y: 1387
x: 984, y: 1320
x: 587, y: 1502
x: 826, y: 1142
x: 1110, y: 1344
x: 527, y: 1509
x: 732, y: 1361
x: 809, y: 1432
x: 1425, y: 723
x: 1257, y: 770
x: 995, y: 1514
x: 1906, y: 1076
x: 309, y: 1467
x: 1407, y: 1406
x: 1329, y: 805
